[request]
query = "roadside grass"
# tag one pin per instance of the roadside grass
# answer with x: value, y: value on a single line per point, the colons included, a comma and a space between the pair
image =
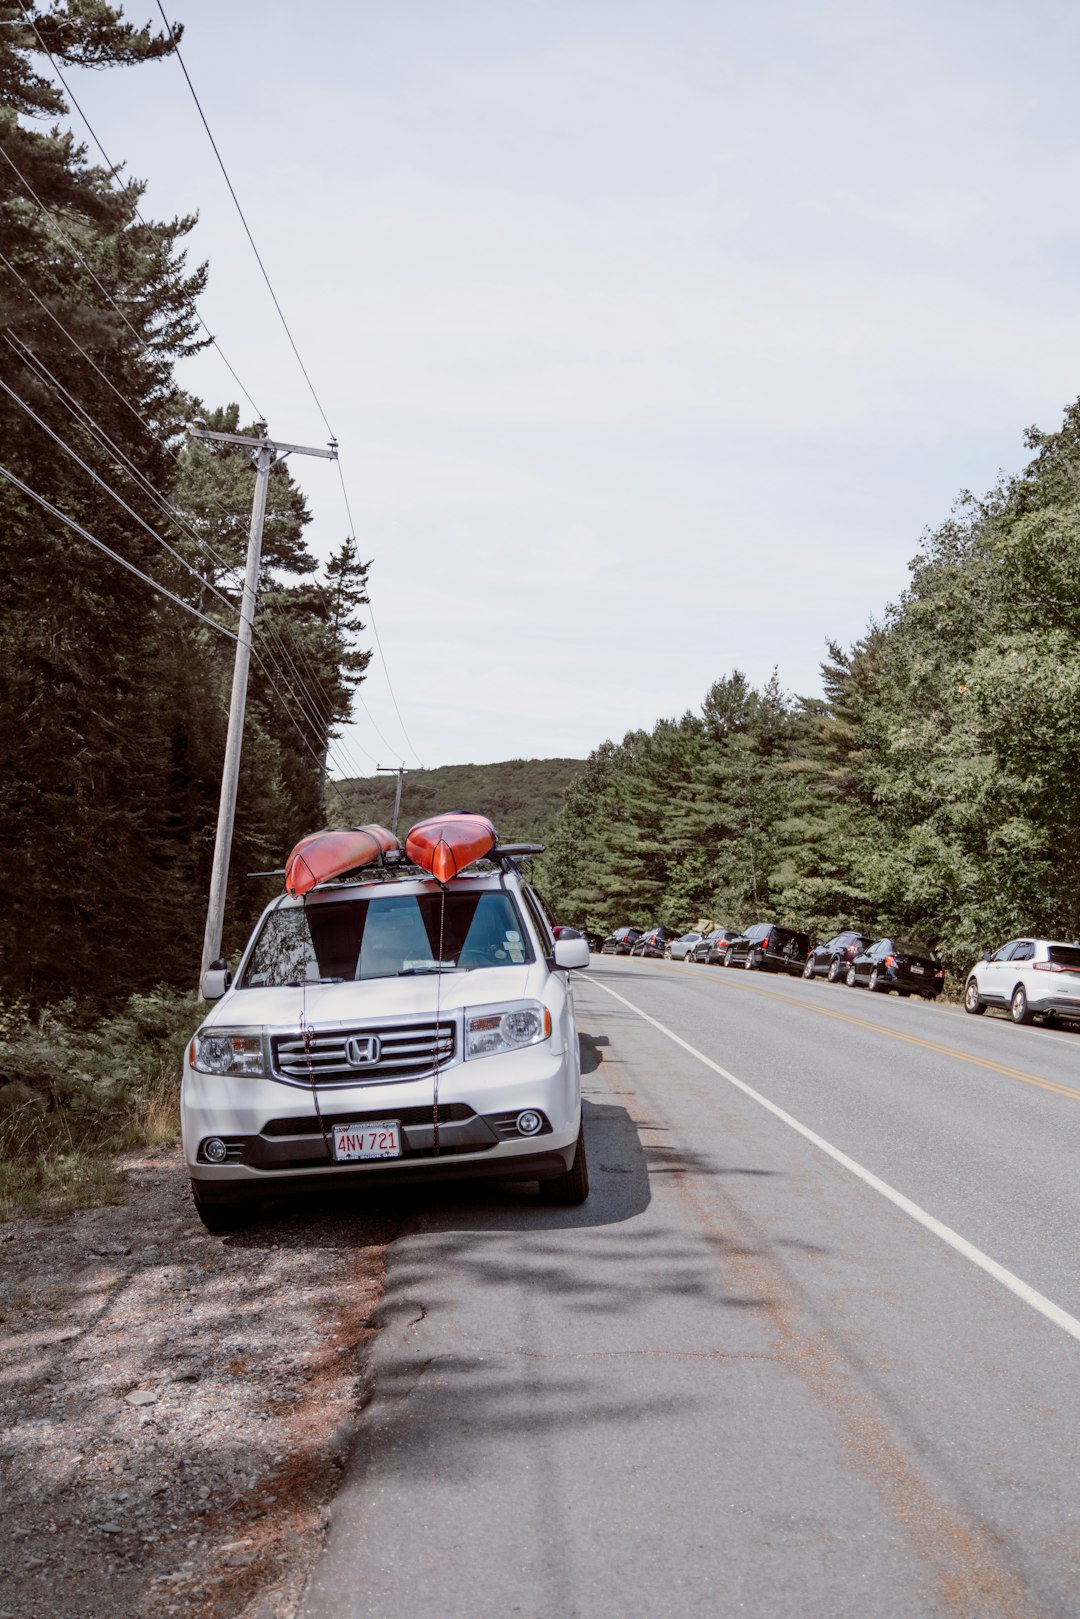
x: 76, y: 1092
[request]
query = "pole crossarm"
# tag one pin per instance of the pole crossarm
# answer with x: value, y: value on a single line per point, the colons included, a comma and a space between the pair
x: 206, y: 437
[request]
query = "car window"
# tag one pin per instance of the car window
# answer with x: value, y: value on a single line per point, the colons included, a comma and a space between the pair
x: 1024, y: 951
x: 1065, y: 955
x: 914, y: 947
x: 387, y: 937
x: 1005, y: 952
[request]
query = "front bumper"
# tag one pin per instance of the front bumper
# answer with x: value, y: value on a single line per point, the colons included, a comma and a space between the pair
x: 274, y: 1138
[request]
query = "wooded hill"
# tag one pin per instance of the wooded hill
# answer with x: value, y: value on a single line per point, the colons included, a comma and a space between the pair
x: 520, y: 796
x: 933, y: 791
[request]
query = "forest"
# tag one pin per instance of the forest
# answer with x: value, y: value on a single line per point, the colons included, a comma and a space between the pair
x: 117, y: 635
x: 932, y: 789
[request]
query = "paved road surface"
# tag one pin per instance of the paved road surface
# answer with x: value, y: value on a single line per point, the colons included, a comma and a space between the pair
x: 741, y: 1380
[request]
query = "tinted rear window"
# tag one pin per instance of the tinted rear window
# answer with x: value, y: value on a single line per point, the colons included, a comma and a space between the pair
x: 1065, y: 955
x: 913, y: 947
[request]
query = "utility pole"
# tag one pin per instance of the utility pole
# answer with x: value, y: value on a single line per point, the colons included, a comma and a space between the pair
x: 399, y: 771
x: 264, y: 453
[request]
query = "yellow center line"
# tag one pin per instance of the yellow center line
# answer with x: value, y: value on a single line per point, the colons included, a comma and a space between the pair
x: 895, y: 1034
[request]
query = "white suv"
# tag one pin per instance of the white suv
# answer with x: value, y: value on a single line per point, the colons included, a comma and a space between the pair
x: 388, y: 1030
x: 1027, y: 976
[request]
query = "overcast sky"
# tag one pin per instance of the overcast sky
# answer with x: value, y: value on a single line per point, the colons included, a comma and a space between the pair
x: 655, y: 332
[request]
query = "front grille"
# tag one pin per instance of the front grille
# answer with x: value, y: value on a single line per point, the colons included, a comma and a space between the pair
x: 406, y: 1051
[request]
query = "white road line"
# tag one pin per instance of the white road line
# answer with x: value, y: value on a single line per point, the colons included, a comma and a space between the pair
x: 1038, y: 1301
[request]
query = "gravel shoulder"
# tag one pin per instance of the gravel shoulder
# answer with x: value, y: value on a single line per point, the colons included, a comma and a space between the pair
x: 175, y: 1407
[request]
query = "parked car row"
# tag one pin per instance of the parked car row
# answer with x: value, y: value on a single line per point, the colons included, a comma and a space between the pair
x: 1028, y: 977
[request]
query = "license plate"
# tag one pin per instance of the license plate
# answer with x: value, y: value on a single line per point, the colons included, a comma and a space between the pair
x: 919, y: 970
x: 379, y: 1140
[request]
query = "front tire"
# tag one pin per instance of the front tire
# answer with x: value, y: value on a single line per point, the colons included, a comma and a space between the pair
x: 973, y: 1002
x: 835, y: 971
x: 808, y: 970
x: 572, y: 1188
x: 851, y: 981
x: 1018, y: 1007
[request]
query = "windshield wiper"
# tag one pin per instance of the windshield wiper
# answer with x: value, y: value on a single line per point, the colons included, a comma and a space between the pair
x: 298, y: 983
x: 416, y: 972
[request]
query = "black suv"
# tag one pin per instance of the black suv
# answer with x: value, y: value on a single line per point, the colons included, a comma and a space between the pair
x: 652, y: 943
x: 770, y: 949
x: 619, y: 942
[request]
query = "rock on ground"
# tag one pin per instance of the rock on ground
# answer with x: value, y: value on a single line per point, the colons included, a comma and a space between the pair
x: 174, y: 1407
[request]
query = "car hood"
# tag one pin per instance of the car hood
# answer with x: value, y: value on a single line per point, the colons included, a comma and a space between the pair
x: 372, y: 999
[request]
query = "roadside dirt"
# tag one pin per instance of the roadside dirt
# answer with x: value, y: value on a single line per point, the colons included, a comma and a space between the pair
x: 175, y: 1407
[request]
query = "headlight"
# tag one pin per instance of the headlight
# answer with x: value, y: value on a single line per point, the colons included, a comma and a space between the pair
x: 214, y: 1053
x: 491, y: 1029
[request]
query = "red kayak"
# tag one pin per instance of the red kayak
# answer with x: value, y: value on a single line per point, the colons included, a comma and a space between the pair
x: 329, y: 854
x: 446, y: 844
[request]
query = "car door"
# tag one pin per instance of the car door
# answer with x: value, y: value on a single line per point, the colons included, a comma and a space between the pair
x: 1020, y: 969
x: 994, y: 983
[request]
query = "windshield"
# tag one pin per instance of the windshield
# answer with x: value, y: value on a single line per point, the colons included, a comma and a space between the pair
x: 391, y: 936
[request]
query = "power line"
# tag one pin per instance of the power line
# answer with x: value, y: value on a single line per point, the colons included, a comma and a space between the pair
x: 375, y: 632
x: 91, y: 426
x: 143, y: 340
x: 292, y: 342
x: 113, y: 173
x: 243, y: 220
x: 88, y: 469
x: 55, y: 511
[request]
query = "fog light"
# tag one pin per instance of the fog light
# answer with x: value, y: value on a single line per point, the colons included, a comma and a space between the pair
x: 529, y: 1123
x: 214, y: 1150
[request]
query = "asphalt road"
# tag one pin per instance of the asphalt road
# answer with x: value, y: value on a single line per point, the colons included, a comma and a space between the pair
x: 810, y: 1349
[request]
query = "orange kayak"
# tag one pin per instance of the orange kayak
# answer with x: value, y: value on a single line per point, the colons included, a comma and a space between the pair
x: 446, y: 844
x: 323, y: 855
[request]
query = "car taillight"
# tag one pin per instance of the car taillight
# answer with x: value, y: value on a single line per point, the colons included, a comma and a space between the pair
x: 940, y: 972
x: 890, y: 961
x: 1049, y: 967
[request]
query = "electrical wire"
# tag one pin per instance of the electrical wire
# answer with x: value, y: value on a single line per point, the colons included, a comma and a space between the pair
x: 243, y: 220
x: 113, y: 173
x: 296, y: 351
x: 375, y: 630
x: 320, y: 723
x: 55, y: 511
x: 143, y: 340
x: 323, y: 722
x: 88, y: 469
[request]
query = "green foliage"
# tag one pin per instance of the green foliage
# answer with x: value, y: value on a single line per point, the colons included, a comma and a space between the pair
x: 74, y: 1090
x: 933, y: 791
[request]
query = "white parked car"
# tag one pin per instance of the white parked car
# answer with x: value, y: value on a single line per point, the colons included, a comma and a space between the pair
x: 1029, y: 976
x: 388, y: 1030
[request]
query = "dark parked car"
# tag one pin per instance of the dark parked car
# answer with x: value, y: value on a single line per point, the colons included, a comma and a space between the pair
x: 834, y: 959
x: 769, y: 948
x: 679, y: 949
x: 906, y: 965
x: 653, y: 942
x: 712, y: 947
x: 619, y: 942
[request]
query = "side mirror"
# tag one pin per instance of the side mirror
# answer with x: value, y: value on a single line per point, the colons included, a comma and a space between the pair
x: 985, y: 956
x: 571, y: 953
x: 215, y: 981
